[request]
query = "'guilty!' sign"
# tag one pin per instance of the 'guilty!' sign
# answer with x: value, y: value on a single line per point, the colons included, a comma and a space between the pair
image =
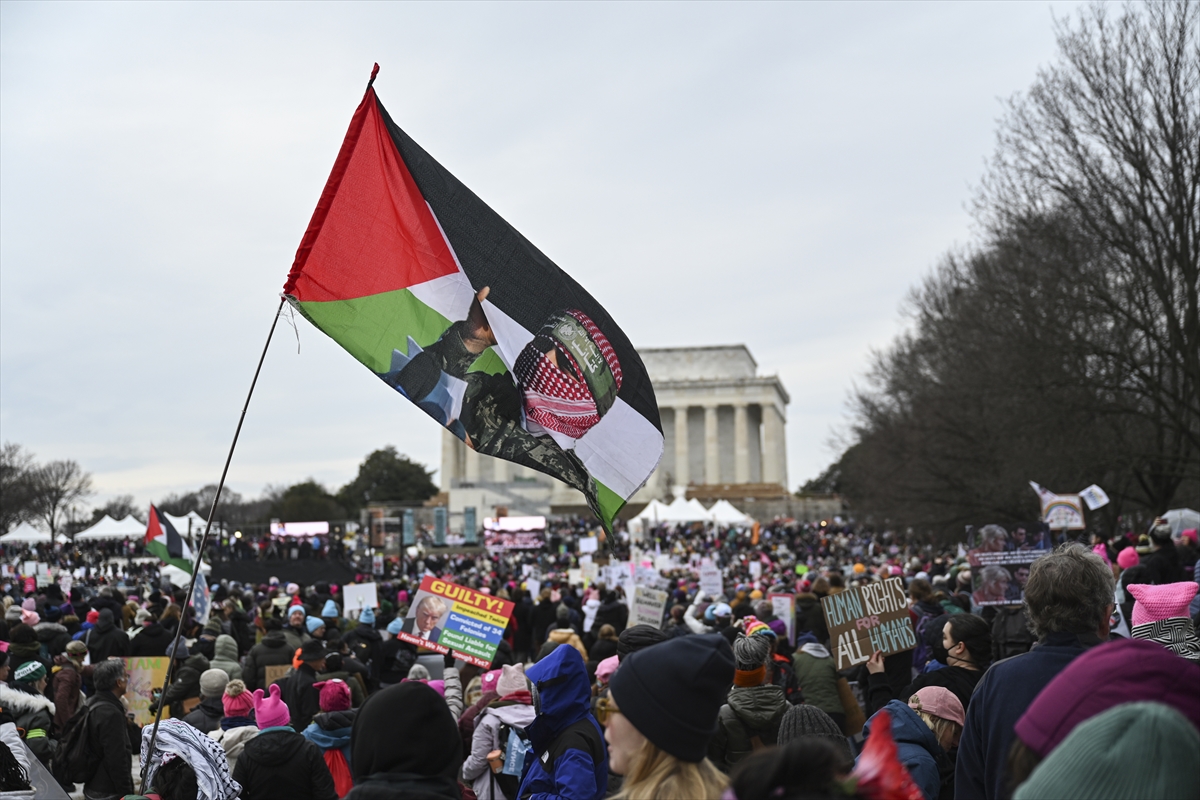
x: 868, y: 618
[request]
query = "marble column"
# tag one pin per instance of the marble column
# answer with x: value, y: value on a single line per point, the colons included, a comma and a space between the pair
x: 681, y: 446
x: 450, y: 464
x: 471, y: 471
x: 774, y: 460
x: 741, y: 444
x: 712, y: 450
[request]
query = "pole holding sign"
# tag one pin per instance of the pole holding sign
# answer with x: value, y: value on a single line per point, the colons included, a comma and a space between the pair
x: 869, y: 618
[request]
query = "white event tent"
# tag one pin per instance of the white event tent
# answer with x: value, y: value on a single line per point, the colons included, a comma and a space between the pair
x: 724, y: 513
x: 654, y: 512
x: 109, y: 528
x: 27, y: 534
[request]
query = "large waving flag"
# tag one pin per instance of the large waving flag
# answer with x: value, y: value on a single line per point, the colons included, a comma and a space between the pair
x: 164, y: 541
x: 404, y: 267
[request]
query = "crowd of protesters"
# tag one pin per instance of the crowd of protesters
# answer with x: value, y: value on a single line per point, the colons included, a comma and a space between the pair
x: 277, y: 692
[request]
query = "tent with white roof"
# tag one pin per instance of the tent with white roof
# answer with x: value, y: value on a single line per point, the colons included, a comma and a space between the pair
x: 27, y: 534
x: 653, y: 512
x: 724, y: 513
x: 109, y: 528
x: 681, y: 510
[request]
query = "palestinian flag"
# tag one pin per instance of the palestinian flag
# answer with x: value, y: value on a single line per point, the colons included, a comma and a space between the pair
x: 164, y: 541
x: 414, y: 275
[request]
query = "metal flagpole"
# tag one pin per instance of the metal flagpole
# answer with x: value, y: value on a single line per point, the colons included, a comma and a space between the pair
x: 204, y: 539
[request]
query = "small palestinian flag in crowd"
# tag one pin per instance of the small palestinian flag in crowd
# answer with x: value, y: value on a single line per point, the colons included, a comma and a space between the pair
x: 163, y: 541
x: 422, y: 282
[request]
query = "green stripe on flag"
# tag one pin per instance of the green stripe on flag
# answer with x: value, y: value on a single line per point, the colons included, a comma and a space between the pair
x: 610, y: 503
x: 159, y: 549
x: 371, y: 327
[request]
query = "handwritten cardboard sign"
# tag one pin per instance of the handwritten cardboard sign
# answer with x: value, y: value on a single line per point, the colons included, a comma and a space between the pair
x: 869, y: 618
x: 448, y: 618
x: 648, y: 606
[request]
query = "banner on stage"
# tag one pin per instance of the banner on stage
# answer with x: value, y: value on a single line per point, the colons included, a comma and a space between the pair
x: 448, y: 618
x: 648, y: 605
x: 868, y: 618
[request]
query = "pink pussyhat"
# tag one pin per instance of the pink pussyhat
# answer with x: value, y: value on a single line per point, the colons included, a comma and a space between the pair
x: 335, y: 695
x: 1102, y: 551
x: 487, y: 683
x: 1128, y: 558
x: 270, y: 712
x: 1156, y: 603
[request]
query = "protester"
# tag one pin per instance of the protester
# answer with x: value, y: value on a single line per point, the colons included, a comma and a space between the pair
x: 404, y: 743
x: 1068, y: 600
x: 186, y: 686
x: 661, y: 714
x: 809, y: 722
x: 107, y: 734
x: 207, y: 716
x: 301, y: 695
x: 925, y: 731
x: 226, y: 657
x: 237, y: 724
x: 67, y: 684
x: 605, y: 645
x: 512, y: 710
x: 106, y: 639
x: 150, y: 639
x: 1160, y: 614
x: 330, y: 731
x: 272, y: 651
x: 750, y: 718
x: 186, y: 765
x: 296, y: 631
x: 566, y: 742
x: 279, y: 762
x: 24, y: 698
x: 816, y: 673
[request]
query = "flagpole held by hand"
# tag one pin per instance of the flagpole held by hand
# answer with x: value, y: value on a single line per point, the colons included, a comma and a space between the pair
x: 212, y: 512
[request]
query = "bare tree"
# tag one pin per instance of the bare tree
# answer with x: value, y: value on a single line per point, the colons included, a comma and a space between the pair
x: 16, y: 485
x: 58, y: 485
x: 119, y: 507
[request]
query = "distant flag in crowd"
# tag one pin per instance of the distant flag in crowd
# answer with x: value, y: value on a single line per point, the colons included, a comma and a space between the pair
x: 201, y: 598
x: 1095, y: 497
x: 163, y: 541
x: 428, y: 287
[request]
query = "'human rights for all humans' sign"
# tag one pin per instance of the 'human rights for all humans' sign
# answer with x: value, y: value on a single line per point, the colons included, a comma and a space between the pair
x: 869, y: 618
x: 448, y: 618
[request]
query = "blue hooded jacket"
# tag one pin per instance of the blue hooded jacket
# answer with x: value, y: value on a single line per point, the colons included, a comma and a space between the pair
x: 331, y: 729
x: 569, y: 759
x: 916, y: 746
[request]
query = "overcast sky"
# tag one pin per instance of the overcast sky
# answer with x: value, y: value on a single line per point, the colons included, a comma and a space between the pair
x: 777, y: 175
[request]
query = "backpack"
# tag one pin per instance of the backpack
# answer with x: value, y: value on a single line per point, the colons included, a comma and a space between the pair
x: 74, y: 761
x: 516, y: 748
x: 1010, y: 633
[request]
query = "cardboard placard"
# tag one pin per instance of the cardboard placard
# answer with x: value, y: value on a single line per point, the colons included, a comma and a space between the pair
x: 588, y: 544
x: 276, y: 672
x: 358, y: 596
x: 648, y: 605
x: 448, y: 618
x: 145, y: 675
x: 866, y: 619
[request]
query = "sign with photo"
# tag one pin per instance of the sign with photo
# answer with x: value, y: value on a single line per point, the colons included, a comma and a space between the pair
x: 447, y: 618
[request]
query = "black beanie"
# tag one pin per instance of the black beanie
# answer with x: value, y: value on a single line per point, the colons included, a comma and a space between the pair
x: 406, y: 728
x: 639, y: 637
x: 672, y: 692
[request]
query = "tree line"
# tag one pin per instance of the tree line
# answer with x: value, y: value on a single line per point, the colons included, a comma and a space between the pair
x: 55, y: 495
x: 1063, y: 344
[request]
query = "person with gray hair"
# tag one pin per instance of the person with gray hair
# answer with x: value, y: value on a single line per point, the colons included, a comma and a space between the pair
x: 1068, y: 600
x: 751, y: 716
x: 108, y: 733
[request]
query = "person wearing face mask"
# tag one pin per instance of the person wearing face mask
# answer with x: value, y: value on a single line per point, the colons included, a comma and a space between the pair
x: 961, y: 652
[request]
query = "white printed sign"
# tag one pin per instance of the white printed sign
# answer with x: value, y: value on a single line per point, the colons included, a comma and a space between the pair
x: 648, y: 606
x: 358, y: 596
x: 710, y: 580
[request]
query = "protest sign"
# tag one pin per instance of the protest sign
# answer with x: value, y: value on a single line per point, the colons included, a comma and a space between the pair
x: 589, y: 544
x: 755, y: 569
x: 999, y: 578
x: 377, y: 564
x: 534, y: 587
x: 869, y: 618
x: 144, y: 676
x: 358, y: 596
x: 710, y: 580
x: 589, y: 572
x: 448, y: 618
x: 1060, y: 511
x: 648, y: 606
x: 783, y: 606
x: 574, y: 576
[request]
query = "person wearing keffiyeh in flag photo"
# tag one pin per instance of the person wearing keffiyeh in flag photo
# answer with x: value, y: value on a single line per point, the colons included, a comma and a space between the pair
x: 567, y: 378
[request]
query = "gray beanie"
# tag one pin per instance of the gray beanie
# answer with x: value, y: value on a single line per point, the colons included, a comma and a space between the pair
x: 418, y: 672
x: 751, y: 652
x: 803, y: 721
x: 213, y: 682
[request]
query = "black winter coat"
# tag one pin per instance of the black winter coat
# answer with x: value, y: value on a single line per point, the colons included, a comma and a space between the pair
x: 614, y: 613
x: 206, y: 717
x: 106, y: 639
x: 152, y: 641
x: 281, y: 763
x: 186, y: 684
x: 108, y: 737
x: 272, y: 651
x: 53, y: 638
x: 303, y: 701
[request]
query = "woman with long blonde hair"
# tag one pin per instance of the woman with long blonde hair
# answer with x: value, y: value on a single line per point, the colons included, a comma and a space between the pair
x: 660, y: 713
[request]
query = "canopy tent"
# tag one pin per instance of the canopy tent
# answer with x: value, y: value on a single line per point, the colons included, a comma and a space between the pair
x: 682, y: 510
x: 181, y: 523
x: 109, y: 528
x: 653, y: 512
x: 724, y: 513
x: 179, y: 577
x: 25, y: 533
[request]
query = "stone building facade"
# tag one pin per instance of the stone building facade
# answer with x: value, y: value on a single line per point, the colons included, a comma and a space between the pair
x: 725, y: 432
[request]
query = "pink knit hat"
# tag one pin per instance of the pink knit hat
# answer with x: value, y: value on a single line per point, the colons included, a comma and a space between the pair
x: 1102, y: 551
x: 335, y: 695
x: 30, y: 618
x: 28, y: 604
x: 940, y: 702
x: 606, y: 668
x: 488, y: 682
x: 270, y: 712
x: 237, y: 701
x: 512, y: 680
x: 1127, y: 558
x: 1155, y: 603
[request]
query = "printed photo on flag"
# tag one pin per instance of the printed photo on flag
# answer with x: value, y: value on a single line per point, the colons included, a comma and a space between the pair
x: 448, y: 304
